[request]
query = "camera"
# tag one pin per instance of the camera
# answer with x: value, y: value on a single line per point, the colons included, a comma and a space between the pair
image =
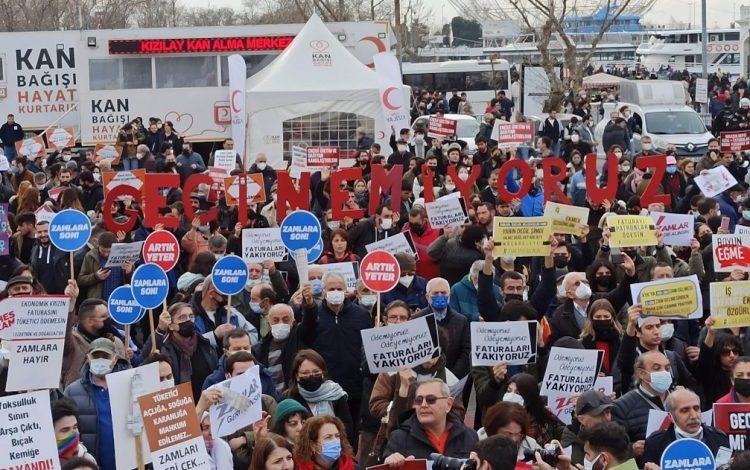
x: 441, y: 462
x: 549, y: 454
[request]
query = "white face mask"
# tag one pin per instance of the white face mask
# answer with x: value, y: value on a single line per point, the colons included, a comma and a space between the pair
x: 368, y: 300
x: 335, y: 297
x: 98, y: 177
x: 261, y: 166
x: 406, y: 280
x: 666, y: 331
x: 583, y: 291
x: 646, y: 146
x: 280, y: 331
x: 167, y: 383
x: 575, y: 138
x: 561, y: 291
x: 386, y: 224
x: 589, y: 465
x: 66, y: 158
x: 101, y: 366
x: 450, y: 186
x: 463, y: 176
x: 333, y: 224
x: 513, y: 398
x: 402, y: 148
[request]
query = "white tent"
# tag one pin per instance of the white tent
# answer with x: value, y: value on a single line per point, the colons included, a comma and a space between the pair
x: 315, y: 93
x: 602, y: 80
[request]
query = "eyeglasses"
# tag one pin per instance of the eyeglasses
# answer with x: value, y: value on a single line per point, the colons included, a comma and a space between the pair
x: 730, y: 352
x: 430, y: 399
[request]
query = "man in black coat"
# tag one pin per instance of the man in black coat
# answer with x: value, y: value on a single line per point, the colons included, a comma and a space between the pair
x: 684, y: 406
x: 10, y: 133
x: 283, y: 335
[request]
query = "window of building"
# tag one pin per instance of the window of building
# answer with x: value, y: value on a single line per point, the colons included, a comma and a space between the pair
x: 328, y: 128
x: 253, y: 64
x: 120, y: 74
x: 732, y: 36
x: 420, y: 80
x: 186, y: 72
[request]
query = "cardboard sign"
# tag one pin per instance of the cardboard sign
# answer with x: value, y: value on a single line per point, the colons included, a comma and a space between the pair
x: 150, y: 285
x: 671, y: 299
x: 571, y: 372
x: 31, y: 147
x: 730, y: 303
x: 565, y: 218
x: 70, y: 230
x: 521, y: 236
x: 225, y: 159
x: 676, y: 228
x: 734, y: 420
x: 442, y: 128
x: 734, y: 141
x: 27, y: 436
x: 123, y: 253
x: 348, y: 270
x: 687, y: 454
x: 218, y: 176
x: 161, y: 248
x: 323, y: 157
x: 379, y: 271
x: 173, y: 430
x: 54, y: 193
x: 227, y: 417
x: 256, y: 189
x: 564, y: 406
x: 133, y: 178
x: 513, y: 342
x: 508, y: 134
x: 407, y: 344
x: 631, y: 231
x: 260, y: 244
x: 716, y: 180
x: 731, y: 253
x: 299, y: 161
x: 399, y: 243
x: 741, y: 230
x: 660, y: 420
x: 124, y: 388
x: 122, y: 306
x: 108, y: 152
x: 300, y: 230
x: 60, y: 137
x: 447, y: 211
x: 37, y: 340
x: 229, y: 275
x: 701, y: 90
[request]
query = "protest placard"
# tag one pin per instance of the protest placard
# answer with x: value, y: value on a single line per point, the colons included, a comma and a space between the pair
x: 513, y: 342
x: 231, y: 415
x: 217, y: 175
x: 521, y: 236
x: 60, y: 137
x: 27, y: 437
x: 173, y: 430
x: 150, y: 285
x: 31, y: 147
x: 225, y: 159
x: 447, y: 211
x: 564, y: 406
x: 412, y: 464
x: 45, y: 213
x: 399, y: 243
x: 38, y: 339
x: 714, y: 181
x: 133, y: 178
x: 229, y: 275
x: 348, y: 270
x: 631, y: 231
x: 676, y: 228
x: 730, y: 303
x: 122, y: 306
x: 731, y: 253
x: 259, y: 244
x: 670, y: 299
x: 161, y: 248
x: 54, y: 193
x: 687, y: 454
x: 701, y: 90
x: 734, y: 420
x: 70, y: 230
x: 323, y: 157
x: 300, y: 230
x: 122, y: 253
x: 256, y: 189
x: 299, y: 161
x: 741, y: 230
x: 379, y: 271
x: 565, y: 218
x: 406, y: 344
x: 108, y: 152
x: 571, y: 372
x: 509, y: 134
x: 124, y: 388
x: 734, y: 141
x: 442, y: 128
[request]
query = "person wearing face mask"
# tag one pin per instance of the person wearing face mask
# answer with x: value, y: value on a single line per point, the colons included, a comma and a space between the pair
x: 166, y: 376
x: 456, y: 250
x: 90, y: 395
x: 602, y: 331
x: 401, y: 155
x: 277, y: 348
x: 261, y: 166
x: 92, y: 190
x: 684, y: 407
x: 19, y: 172
x: 65, y: 423
x: 740, y: 392
x: 576, y: 144
x: 729, y: 201
x: 189, y: 162
x: 617, y: 151
x: 591, y: 409
x: 423, y: 234
x: 129, y: 137
x: 718, y: 352
x: 381, y: 225
x: 464, y: 298
x: 672, y: 183
x: 607, y: 447
x: 411, y: 288
x: 643, y: 264
x: 333, y: 328
x: 323, y: 445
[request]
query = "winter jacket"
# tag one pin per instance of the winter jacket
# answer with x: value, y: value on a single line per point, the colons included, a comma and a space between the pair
x: 458, y: 352
x: 414, y: 295
x: 77, y: 347
x: 290, y: 348
x: 92, y: 196
x: 154, y: 140
x: 532, y: 204
x: 658, y: 441
x: 630, y: 349
x: 10, y: 134
x: 61, y: 269
x: 570, y: 439
x: 631, y: 412
x: 464, y: 298
x: 185, y: 162
x: 219, y: 375
x: 426, y: 266
x: 87, y: 276
x: 455, y: 259
x: 614, y: 135
x: 410, y: 439
x: 126, y: 138
x: 206, y: 325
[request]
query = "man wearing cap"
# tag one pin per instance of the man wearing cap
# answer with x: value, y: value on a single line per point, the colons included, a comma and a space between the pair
x: 91, y: 397
x: 19, y: 286
x: 411, y: 288
x: 728, y: 203
x: 592, y: 408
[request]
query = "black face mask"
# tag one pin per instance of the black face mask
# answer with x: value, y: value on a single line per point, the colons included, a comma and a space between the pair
x: 417, y: 228
x: 604, y: 329
x: 311, y: 384
x: 561, y: 262
x: 604, y: 281
x: 742, y: 387
x: 706, y: 239
x: 509, y: 297
x: 187, y: 328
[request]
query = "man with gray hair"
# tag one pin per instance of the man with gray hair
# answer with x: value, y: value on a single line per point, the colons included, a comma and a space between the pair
x: 332, y: 328
x: 684, y: 407
x: 277, y: 348
x: 217, y: 244
x: 464, y: 298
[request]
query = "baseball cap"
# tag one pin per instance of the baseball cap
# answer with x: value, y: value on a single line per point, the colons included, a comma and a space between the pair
x: 593, y: 403
x: 19, y: 280
x: 102, y: 345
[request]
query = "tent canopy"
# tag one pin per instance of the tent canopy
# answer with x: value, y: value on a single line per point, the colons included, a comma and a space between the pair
x: 602, y: 80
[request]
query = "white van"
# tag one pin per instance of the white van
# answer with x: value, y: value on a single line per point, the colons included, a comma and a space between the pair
x: 659, y: 110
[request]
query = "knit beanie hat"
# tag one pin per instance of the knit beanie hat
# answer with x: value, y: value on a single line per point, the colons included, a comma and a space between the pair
x: 288, y: 407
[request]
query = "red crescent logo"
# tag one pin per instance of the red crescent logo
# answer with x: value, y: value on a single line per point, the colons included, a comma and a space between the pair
x: 379, y: 45
x: 381, y: 135
x: 387, y: 103
x: 235, y: 93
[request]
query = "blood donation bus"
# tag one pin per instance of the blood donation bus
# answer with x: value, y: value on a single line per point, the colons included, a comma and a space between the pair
x: 95, y: 81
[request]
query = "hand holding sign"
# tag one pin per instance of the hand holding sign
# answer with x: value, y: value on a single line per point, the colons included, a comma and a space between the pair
x: 70, y: 230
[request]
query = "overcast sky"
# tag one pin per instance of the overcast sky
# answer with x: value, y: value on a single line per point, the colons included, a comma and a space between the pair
x: 720, y: 12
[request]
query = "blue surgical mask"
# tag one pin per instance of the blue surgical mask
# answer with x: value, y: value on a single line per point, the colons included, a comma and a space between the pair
x: 331, y: 450
x: 661, y: 381
x: 746, y: 215
x: 671, y: 169
x: 255, y: 307
x: 317, y: 286
x: 439, y: 302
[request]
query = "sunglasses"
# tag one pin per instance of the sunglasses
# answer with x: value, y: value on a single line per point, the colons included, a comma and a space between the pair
x: 430, y: 399
x: 733, y: 352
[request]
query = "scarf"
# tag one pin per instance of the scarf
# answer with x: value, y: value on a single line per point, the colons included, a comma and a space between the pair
x: 186, y: 347
x: 328, y: 392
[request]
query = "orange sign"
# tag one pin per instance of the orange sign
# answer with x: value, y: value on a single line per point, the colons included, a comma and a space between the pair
x: 31, y: 147
x: 169, y: 417
x: 256, y: 190
x: 108, y: 152
x: 133, y: 178
x: 60, y: 137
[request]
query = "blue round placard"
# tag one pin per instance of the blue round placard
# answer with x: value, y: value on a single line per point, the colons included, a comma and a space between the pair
x: 300, y: 230
x: 123, y: 307
x: 150, y: 285
x: 70, y: 230
x: 230, y: 275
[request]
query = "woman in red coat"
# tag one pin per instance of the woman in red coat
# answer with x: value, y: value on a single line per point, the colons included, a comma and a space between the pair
x: 322, y: 445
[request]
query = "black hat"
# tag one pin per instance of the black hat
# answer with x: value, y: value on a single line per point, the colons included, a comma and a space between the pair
x: 593, y: 403
x: 19, y: 280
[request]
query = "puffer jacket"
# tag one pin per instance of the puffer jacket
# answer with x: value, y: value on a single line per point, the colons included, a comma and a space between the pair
x: 631, y: 412
x: 414, y: 295
x: 455, y: 259
x: 410, y: 439
x: 464, y: 298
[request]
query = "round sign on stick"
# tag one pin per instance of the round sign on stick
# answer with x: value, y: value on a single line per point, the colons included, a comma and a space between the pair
x: 688, y: 453
x: 314, y: 254
x: 379, y: 271
x: 162, y: 249
x: 123, y: 307
x: 70, y: 230
x: 300, y: 230
x: 230, y: 275
x: 150, y: 285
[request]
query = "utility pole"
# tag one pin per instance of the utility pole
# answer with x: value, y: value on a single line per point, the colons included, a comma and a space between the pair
x: 397, y: 12
x: 704, y: 40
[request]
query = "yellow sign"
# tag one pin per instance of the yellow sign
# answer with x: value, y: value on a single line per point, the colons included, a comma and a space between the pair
x: 631, y: 231
x: 565, y: 218
x: 730, y: 303
x: 677, y: 298
x: 521, y: 236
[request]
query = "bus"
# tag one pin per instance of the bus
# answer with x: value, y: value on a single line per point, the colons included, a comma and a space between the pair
x: 480, y: 79
x: 95, y: 81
